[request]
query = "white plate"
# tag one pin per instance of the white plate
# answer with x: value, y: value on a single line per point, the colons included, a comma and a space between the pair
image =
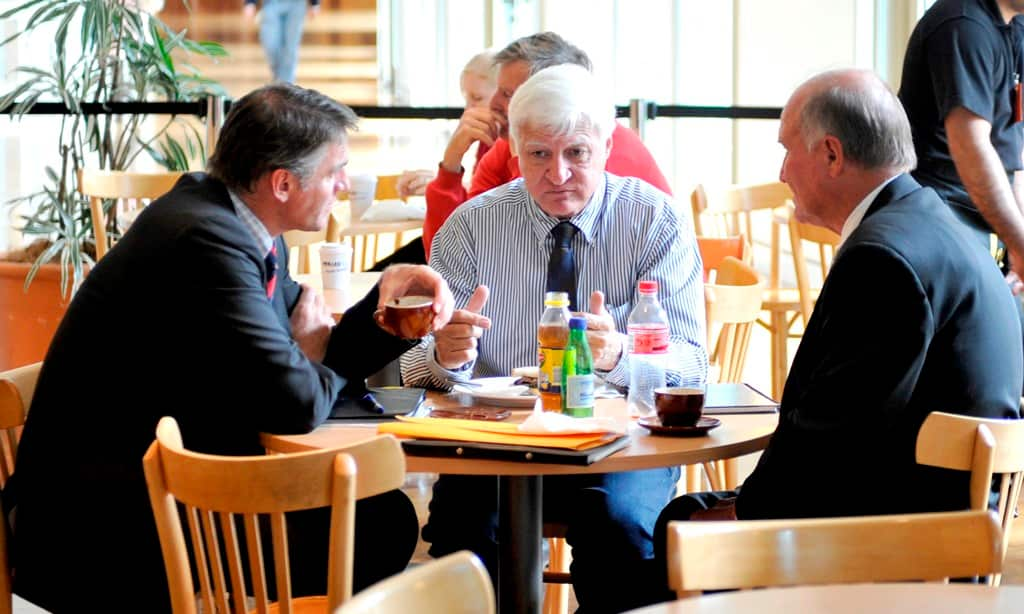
x: 500, y: 391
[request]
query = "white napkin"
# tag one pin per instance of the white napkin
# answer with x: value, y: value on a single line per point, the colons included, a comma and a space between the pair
x: 394, y: 211
x: 550, y: 422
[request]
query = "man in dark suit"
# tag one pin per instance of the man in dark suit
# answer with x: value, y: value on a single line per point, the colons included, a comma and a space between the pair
x: 189, y: 316
x: 907, y: 322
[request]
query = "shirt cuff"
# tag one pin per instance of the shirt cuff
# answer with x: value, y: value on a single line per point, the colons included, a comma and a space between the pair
x: 447, y: 179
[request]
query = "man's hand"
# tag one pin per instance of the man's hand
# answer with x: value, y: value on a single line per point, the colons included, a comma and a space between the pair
x: 725, y: 509
x: 414, y: 183
x: 311, y: 324
x: 1013, y: 277
x: 476, y: 124
x: 455, y: 344
x: 400, y: 280
x: 605, y: 342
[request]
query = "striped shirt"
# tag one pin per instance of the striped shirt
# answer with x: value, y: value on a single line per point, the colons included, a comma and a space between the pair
x: 629, y: 231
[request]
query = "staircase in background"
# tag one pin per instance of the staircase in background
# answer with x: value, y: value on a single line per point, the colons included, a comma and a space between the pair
x: 338, y: 56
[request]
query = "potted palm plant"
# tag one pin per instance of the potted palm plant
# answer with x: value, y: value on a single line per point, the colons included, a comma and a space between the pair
x: 103, y: 51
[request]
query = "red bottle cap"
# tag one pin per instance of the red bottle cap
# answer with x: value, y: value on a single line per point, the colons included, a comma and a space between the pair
x: 648, y: 287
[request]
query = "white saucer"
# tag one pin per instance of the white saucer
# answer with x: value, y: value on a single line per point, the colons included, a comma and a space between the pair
x: 500, y: 391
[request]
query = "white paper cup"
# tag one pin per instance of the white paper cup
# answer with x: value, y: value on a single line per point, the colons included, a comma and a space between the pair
x: 335, y: 265
x: 361, y: 190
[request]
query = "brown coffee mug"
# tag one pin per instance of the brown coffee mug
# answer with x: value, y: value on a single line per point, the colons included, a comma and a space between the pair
x: 679, y: 406
x: 408, y: 317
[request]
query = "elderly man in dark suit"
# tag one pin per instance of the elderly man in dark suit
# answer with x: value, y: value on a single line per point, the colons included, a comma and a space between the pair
x: 191, y: 316
x: 913, y: 317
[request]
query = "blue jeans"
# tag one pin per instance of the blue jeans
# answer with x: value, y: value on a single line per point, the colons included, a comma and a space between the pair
x: 610, y: 520
x: 280, y: 34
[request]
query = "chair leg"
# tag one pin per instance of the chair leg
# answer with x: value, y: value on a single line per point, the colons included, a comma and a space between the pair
x: 693, y: 480
x: 556, y: 595
x: 779, y: 332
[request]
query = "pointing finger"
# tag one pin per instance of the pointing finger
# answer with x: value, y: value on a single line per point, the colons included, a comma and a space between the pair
x: 478, y: 300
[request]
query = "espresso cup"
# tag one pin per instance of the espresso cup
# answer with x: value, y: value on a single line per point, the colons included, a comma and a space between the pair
x: 679, y: 406
x: 408, y: 317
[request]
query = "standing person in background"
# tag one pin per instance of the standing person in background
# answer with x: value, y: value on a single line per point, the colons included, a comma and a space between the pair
x: 961, y: 90
x: 478, y: 82
x: 516, y: 63
x: 281, y: 23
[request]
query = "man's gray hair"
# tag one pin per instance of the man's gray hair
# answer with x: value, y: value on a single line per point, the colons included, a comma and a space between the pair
x: 560, y: 100
x: 279, y: 126
x: 864, y: 114
x: 543, y: 50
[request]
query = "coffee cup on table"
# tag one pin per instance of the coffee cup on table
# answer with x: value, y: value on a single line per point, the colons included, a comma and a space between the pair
x: 335, y: 265
x: 679, y: 406
x: 361, y: 192
x: 408, y: 317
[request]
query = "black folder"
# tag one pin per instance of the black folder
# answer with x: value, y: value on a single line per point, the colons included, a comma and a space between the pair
x: 504, y: 452
x: 382, y: 403
x: 736, y: 399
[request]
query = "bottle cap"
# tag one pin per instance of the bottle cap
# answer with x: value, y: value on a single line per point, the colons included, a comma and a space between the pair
x: 577, y: 323
x: 556, y: 299
x: 648, y: 287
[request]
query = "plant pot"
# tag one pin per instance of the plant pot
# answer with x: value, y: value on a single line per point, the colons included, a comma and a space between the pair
x: 29, y: 319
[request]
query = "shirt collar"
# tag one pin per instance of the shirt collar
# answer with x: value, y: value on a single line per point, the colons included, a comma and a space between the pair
x: 259, y: 232
x: 586, y: 220
x: 857, y: 215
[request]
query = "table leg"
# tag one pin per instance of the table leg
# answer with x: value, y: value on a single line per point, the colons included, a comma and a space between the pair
x: 519, y: 544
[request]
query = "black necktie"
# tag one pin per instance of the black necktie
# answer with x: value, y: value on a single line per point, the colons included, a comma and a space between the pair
x: 271, y: 262
x: 562, y: 265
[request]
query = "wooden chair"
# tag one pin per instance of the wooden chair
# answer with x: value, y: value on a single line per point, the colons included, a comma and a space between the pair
x: 826, y: 242
x: 216, y: 491
x: 16, y: 388
x: 986, y: 447
x: 129, y: 191
x: 455, y: 584
x: 740, y: 210
x: 732, y: 306
x: 714, y: 249
x: 706, y: 555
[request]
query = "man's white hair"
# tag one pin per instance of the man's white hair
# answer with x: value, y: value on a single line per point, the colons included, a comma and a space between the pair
x: 560, y: 100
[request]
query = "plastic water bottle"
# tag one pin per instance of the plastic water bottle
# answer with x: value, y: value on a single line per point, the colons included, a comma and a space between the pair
x: 648, y: 350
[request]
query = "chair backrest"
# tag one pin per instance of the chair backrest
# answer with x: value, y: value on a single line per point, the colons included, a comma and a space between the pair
x: 730, y: 211
x: 714, y: 249
x: 16, y: 388
x: 732, y: 306
x: 455, y: 584
x: 113, y: 191
x: 706, y: 555
x: 986, y: 447
x: 826, y: 242
x: 229, y: 488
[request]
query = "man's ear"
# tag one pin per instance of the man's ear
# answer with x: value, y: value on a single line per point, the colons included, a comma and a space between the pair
x: 281, y: 183
x: 832, y: 150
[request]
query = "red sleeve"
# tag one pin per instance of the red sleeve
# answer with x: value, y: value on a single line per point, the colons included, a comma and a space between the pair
x: 630, y: 158
x: 443, y: 195
x: 492, y: 170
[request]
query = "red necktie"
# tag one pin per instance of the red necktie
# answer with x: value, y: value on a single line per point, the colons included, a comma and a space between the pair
x: 271, y: 262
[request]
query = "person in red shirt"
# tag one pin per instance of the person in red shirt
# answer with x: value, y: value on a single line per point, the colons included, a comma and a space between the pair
x: 489, y: 126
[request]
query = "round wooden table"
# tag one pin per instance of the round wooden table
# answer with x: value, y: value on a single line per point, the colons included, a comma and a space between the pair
x: 519, y: 506
x: 899, y: 598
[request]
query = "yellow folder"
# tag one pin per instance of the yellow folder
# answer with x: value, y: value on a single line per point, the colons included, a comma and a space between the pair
x: 482, y: 431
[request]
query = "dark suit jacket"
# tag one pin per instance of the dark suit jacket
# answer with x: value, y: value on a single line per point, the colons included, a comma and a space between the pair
x: 174, y: 321
x: 914, y: 317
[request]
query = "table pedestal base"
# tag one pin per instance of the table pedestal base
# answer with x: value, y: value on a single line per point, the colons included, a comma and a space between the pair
x: 520, y: 564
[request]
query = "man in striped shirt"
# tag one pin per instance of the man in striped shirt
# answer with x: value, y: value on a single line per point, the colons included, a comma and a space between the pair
x: 493, y: 252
